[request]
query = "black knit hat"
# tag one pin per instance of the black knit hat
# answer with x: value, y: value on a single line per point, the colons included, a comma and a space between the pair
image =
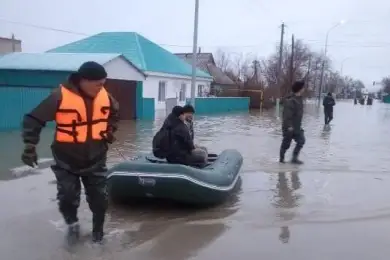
x: 188, y: 109
x: 91, y: 70
x: 177, y: 111
x: 297, y: 86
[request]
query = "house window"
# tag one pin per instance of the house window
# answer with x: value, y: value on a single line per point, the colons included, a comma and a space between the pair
x: 200, y: 90
x: 182, y: 94
x: 161, y: 91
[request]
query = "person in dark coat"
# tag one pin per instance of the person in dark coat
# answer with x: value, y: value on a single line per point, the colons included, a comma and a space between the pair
x: 190, y: 124
x: 86, y: 119
x: 328, y: 104
x: 173, y: 141
x: 369, y: 100
x: 292, y: 123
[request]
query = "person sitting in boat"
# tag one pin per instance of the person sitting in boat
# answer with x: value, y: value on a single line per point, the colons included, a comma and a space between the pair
x: 190, y: 124
x: 173, y: 141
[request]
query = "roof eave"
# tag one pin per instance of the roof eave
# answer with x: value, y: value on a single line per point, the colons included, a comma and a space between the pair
x: 132, y: 64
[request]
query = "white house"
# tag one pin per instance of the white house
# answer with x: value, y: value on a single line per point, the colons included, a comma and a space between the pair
x: 162, y: 86
x: 167, y: 76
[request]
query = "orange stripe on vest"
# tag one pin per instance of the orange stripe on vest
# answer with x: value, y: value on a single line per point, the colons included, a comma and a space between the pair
x: 71, y: 117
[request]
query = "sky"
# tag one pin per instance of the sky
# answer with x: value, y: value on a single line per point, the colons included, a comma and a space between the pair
x: 361, y: 45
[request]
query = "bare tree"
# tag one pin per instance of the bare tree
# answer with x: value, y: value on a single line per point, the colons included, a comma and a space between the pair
x: 386, y: 84
x: 300, y: 63
x: 222, y: 60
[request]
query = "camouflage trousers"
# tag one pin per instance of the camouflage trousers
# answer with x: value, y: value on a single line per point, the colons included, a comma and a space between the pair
x: 69, y: 191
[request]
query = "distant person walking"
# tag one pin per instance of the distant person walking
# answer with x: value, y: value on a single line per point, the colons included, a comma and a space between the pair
x: 292, y: 123
x: 328, y: 104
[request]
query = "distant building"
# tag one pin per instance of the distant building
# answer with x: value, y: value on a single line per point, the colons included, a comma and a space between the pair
x: 8, y: 45
x: 222, y: 84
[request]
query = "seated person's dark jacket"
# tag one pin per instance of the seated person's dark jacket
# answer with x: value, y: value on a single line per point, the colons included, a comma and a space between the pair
x: 173, y: 141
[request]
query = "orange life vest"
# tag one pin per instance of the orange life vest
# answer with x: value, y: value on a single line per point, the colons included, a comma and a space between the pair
x: 71, y: 117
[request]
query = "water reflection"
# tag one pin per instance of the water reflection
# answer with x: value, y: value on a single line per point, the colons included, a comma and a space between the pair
x: 171, y: 231
x: 286, y: 199
x: 326, y: 131
x: 184, y: 241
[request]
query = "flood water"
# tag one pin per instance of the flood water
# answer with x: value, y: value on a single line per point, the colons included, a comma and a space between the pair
x: 335, y: 206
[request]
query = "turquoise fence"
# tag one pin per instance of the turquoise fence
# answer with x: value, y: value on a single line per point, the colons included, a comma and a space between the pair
x: 148, y: 110
x: 144, y: 106
x: 386, y: 99
x: 205, y: 105
x: 16, y: 101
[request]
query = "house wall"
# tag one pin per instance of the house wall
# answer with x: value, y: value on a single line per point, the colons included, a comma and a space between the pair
x: 119, y: 68
x: 10, y: 45
x: 173, y: 84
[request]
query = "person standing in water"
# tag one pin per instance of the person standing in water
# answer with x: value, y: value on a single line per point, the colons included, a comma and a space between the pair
x: 292, y: 123
x: 328, y: 104
x: 86, y: 118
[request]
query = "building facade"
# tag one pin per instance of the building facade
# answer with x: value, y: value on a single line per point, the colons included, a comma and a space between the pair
x: 8, y: 45
x: 167, y: 76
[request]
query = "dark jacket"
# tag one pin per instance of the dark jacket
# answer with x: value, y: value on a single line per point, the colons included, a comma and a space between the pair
x: 328, y: 103
x: 292, y: 112
x: 173, y: 141
x: 190, y: 125
x: 75, y: 157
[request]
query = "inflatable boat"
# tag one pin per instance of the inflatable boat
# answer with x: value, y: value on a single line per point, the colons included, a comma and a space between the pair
x: 149, y: 177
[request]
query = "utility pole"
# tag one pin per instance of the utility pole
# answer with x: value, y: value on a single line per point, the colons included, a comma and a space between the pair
x: 255, y: 68
x: 194, y: 53
x: 307, y: 78
x: 292, y: 61
x: 279, y: 72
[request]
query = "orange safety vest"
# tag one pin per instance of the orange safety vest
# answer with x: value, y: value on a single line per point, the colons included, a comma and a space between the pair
x: 71, y: 117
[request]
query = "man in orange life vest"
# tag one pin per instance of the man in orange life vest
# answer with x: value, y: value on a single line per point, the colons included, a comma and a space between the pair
x: 86, y: 118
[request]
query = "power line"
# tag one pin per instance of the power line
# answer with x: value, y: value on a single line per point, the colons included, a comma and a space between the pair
x: 42, y: 27
x: 312, y: 42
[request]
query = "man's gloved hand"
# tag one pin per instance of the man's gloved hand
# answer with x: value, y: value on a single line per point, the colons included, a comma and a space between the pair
x: 29, y: 156
x: 110, y: 138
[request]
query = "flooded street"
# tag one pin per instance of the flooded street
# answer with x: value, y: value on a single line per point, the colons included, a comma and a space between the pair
x: 335, y: 206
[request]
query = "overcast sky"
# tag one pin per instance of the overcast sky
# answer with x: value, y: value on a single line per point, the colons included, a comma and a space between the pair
x: 251, y: 26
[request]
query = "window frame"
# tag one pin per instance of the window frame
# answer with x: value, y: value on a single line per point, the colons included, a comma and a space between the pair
x: 183, y: 92
x: 162, y: 85
x: 201, y: 88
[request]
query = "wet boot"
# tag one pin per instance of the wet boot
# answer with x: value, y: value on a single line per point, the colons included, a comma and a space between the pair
x: 295, y: 159
x: 97, y: 230
x: 73, y: 233
x: 281, y: 156
x: 97, y: 236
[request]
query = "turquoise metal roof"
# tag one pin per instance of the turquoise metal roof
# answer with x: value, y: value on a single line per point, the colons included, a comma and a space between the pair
x: 143, y: 53
x: 52, y: 61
